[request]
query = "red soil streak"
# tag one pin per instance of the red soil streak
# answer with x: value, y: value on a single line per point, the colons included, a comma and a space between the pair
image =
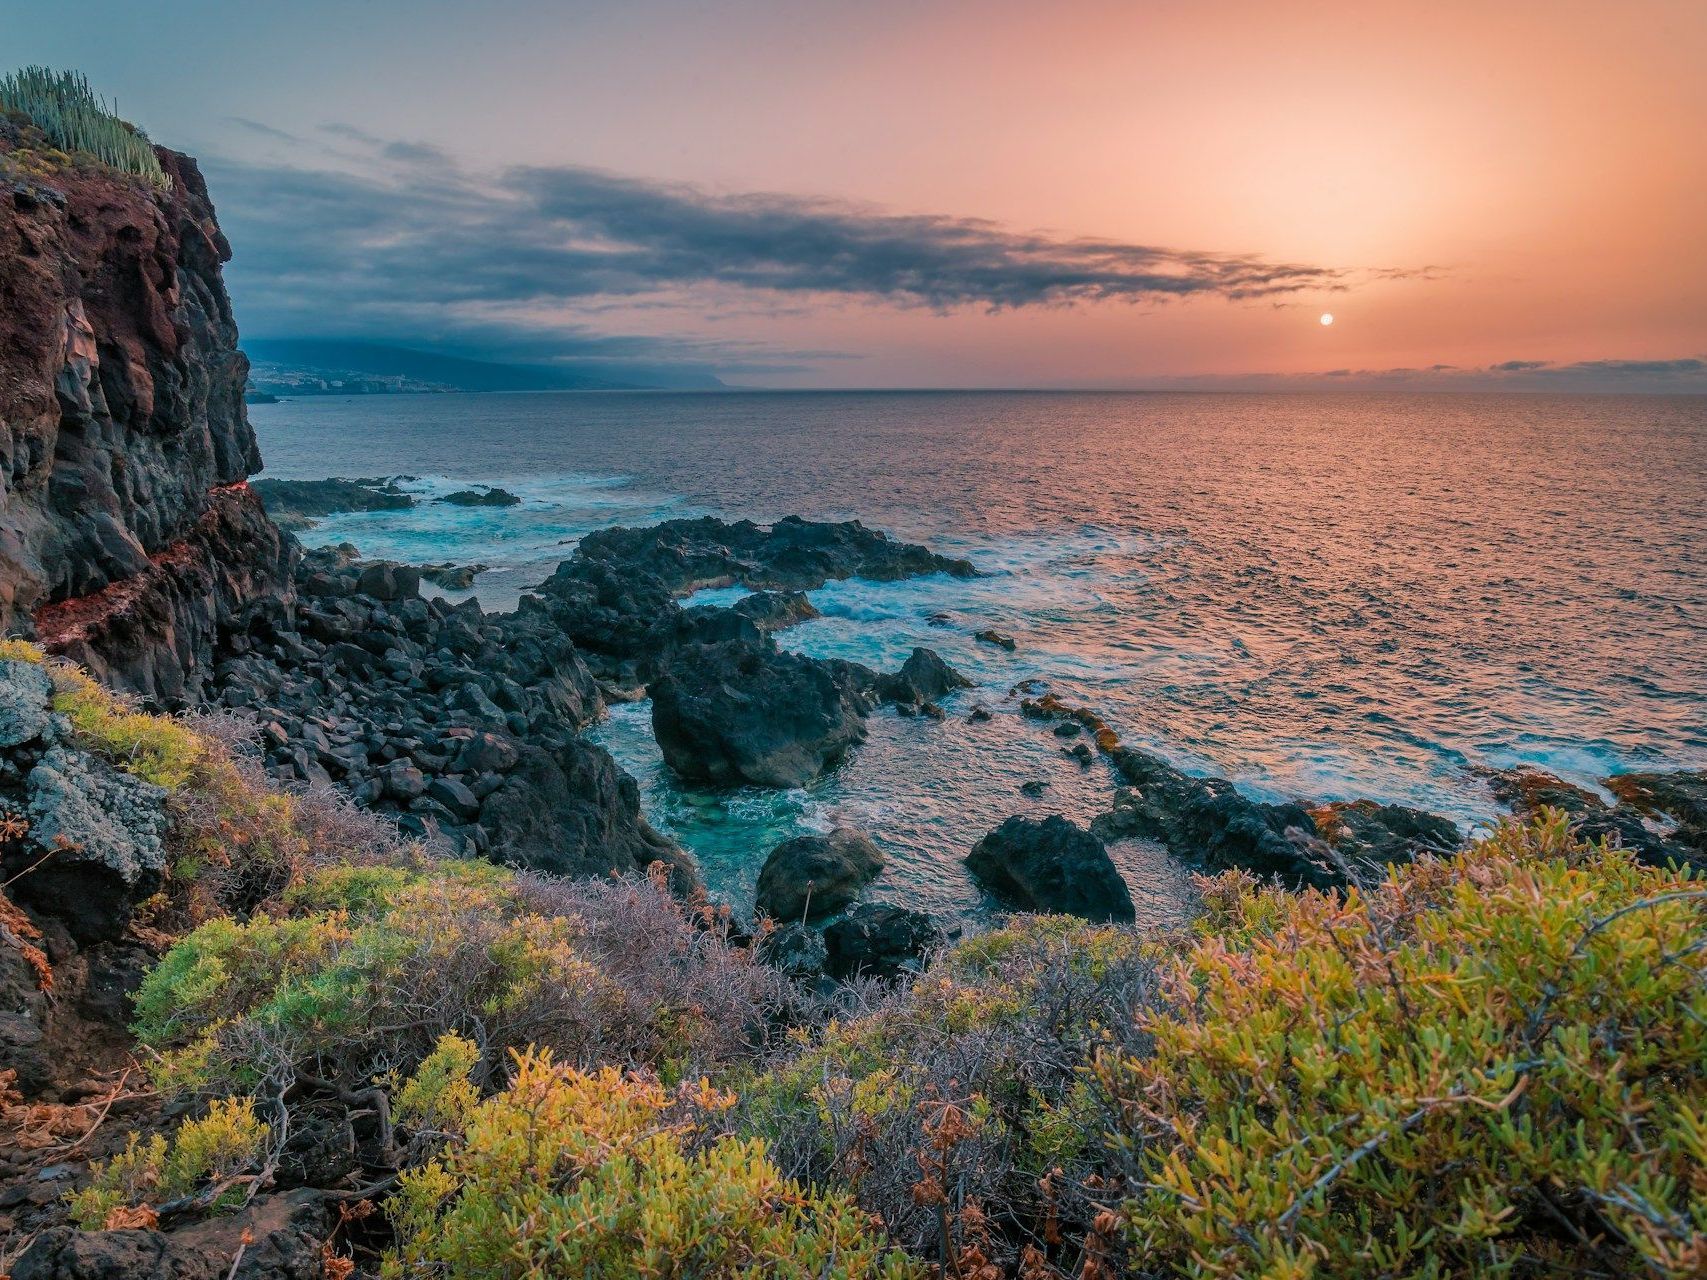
x: 64, y: 621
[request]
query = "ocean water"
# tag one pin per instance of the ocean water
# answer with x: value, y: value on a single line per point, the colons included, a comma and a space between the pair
x: 1319, y: 596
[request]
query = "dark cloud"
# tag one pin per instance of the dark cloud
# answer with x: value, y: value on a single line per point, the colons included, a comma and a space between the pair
x: 415, y: 153
x: 264, y: 130
x: 411, y: 245
x: 1636, y: 368
x: 1518, y: 366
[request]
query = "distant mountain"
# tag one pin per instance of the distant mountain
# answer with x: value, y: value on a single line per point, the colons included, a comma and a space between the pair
x: 302, y: 365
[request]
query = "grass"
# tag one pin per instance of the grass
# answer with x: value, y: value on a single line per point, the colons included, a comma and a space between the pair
x: 76, y: 120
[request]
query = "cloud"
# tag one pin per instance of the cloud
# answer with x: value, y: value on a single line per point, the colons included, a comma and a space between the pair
x: 1636, y: 368
x: 264, y: 130
x: 1682, y: 374
x: 406, y: 243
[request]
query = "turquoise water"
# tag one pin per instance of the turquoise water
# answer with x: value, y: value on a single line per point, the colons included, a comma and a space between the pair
x: 1321, y: 597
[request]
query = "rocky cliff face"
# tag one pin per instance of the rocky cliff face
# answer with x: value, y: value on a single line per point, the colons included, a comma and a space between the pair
x: 128, y: 537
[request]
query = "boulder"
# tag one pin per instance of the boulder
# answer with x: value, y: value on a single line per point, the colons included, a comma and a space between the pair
x: 452, y: 577
x: 1051, y: 865
x: 1373, y: 835
x: 98, y: 835
x: 300, y: 502
x: 572, y: 811
x: 879, y: 940
x: 385, y: 581
x: 990, y: 636
x: 923, y: 678
x: 813, y: 876
x: 26, y: 693
x: 795, y: 951
x: 735, y: 713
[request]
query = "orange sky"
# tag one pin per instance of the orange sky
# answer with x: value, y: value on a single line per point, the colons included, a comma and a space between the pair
x: 1550, y: 160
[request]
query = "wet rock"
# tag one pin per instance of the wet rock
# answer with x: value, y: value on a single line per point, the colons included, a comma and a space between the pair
x: 880, y: 940
x: 1526, y: 791
x: 1051, y: 865
x: 571, y: 811
x: 485, y: 497
x: 452, y: 577
x: 979, y: 714
x: 990, y: 636
x: 102, y: 832
x: 923, y: 678
x: 1208, y: 820
x: 790, y: 555
x: 733, y: 713
x: 1679, y: 797
x: 813, y: 876
x: 300, y: 502
x: 1034, y: 788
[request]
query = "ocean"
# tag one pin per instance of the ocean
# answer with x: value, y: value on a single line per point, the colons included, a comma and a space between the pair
x: 1319, y: 596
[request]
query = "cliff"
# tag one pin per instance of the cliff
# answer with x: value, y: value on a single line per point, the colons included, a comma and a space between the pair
x: 128, y: 538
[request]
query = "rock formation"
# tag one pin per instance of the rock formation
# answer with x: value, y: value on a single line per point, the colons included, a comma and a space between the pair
x: 126, y: 527
x: 1051, y: 865
x: 813, y: 876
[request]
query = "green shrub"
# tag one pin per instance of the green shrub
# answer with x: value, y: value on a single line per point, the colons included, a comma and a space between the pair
x: 388, y: 959
x: 1487, y: 1065
x: 565, y: 1173
x: 75, y: 119
x: 213, y: 1151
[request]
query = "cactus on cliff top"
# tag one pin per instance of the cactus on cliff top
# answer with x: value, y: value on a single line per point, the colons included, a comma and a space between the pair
x: 76, y: 119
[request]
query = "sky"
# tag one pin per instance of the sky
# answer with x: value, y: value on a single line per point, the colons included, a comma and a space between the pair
x: 918, y: 193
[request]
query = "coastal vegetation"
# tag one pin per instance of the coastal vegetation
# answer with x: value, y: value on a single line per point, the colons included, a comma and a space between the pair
x: 76, y: 122
x: 1491, y: 1063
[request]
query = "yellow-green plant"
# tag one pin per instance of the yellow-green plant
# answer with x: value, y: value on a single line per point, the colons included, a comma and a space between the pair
x: 385, y: 960
x: 209, y: 1155
x: 1488, y: 1065
x: 567, y: 1173
x: 155, y: 748
x: 75, y: 119
x: 15, y: 650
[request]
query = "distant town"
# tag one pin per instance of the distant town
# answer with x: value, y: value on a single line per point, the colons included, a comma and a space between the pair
x: 270, y: 382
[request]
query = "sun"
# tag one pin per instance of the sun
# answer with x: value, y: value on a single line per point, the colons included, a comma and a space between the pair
x: 1327, y: 317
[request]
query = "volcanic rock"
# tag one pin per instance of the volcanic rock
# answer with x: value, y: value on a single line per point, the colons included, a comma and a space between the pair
x: 879, y: 940
x: 813, y: 876
x: 481, y: 498
x: 1051, y: 865
x: 734, y: 713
